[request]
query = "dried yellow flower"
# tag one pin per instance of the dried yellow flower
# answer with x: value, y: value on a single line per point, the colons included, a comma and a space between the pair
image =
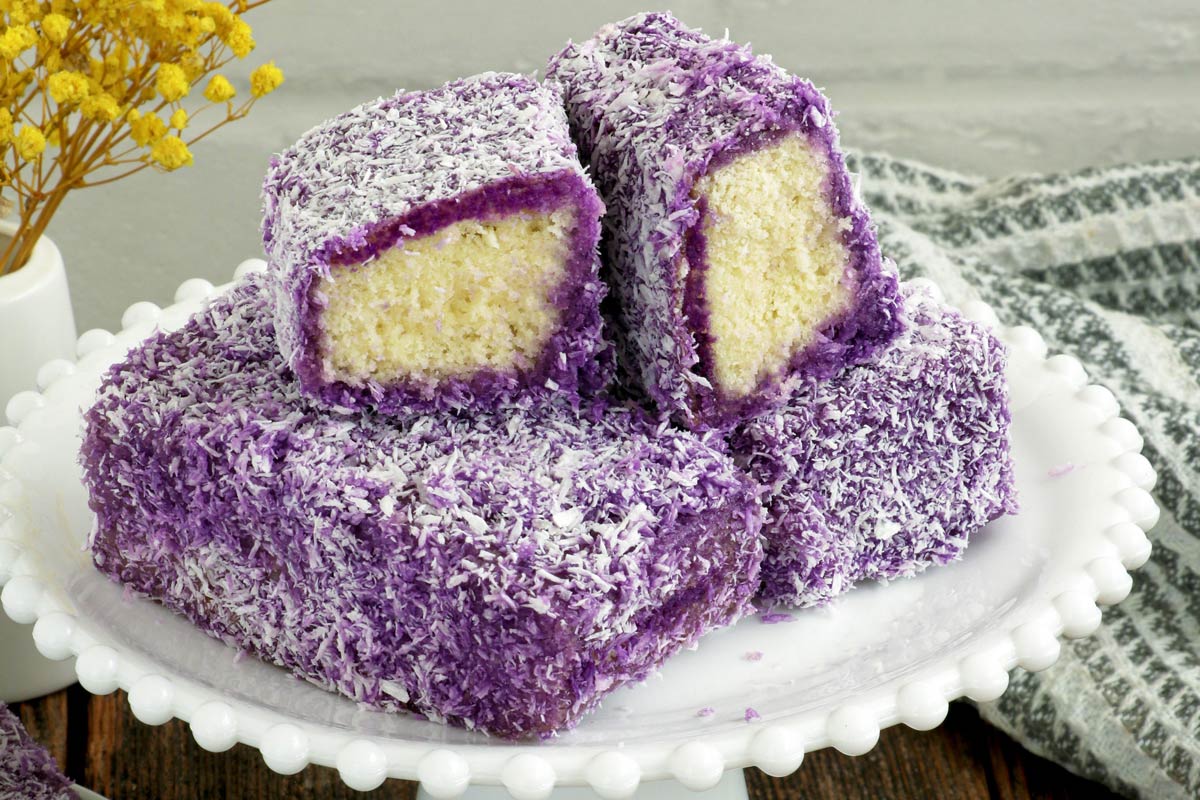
x: 171, y: 82
x: 16, y: 40
x: 145, y: 129
x: 6, y: 126
x: 221, y: 16
x: 96, y: 69
x: 193, y: 66
x: 219, y: 90
x: 240, y: 38
x: 197, y: 28
x: 265, y: 79
x: 23, y: 11
x: 30, y: 142
x: 56, y: 27
x: 116, y: 65
x: 171, y: 153
x: 68, y: 88
x: 179, y: 119
x: 102, y: 107
x: 17, y: 82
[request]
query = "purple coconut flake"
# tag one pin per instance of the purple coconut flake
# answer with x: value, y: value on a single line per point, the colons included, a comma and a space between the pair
x: 776, y: 617
x: 889, y: 467
x: 1059, y: 470
x: 753, y: 655
x: 27, y: 770
x: 503, y: 571
x: 654, y: 106
x: 707, y: 711
x: 752, y: 715
x: 407, y: 166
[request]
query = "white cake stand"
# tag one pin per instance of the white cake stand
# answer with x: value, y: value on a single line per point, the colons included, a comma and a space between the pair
x: 828, y: 677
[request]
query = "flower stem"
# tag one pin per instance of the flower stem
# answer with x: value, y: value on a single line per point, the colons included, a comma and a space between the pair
x: 27, y: 235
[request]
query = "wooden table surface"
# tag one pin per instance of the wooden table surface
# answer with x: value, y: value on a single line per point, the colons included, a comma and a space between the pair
x: 102, y: 746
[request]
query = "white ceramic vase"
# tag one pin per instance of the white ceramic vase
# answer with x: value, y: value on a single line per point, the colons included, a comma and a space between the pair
x: 36, y: 325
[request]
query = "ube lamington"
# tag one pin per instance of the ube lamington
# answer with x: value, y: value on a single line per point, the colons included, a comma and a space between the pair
x: 889, y: 467
x: 502, y: 571
x: 740, y: 255
x: 438, y: 249
x: 27, y: 770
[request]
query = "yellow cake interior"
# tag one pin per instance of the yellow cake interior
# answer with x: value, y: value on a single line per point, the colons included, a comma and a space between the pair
x: 474, y: 295
x: 775, y: 260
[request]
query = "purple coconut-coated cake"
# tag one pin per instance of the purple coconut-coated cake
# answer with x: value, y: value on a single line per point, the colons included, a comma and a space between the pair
x: 740, y: 254
x: 438, y: 249
x: 27, y: 770
x: 502, y: 571
x: 889, y: 467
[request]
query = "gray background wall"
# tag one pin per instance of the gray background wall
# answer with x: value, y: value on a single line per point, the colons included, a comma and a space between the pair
x: 987, y: 87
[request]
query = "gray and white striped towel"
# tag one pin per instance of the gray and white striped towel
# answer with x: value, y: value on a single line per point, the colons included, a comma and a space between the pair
x: 1105, y: 263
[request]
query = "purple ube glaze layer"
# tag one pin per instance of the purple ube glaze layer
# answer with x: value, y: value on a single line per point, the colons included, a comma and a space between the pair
x: 500, y: 570
x: 401, y: 177
x: 887, y: 468
x: 657, y: 109
x: 27, y: 770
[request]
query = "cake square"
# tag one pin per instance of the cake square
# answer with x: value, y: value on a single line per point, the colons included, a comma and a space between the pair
x: 887, y: 468
x: 438, y: 249
x: 499, y: 570
x: 740, y: 254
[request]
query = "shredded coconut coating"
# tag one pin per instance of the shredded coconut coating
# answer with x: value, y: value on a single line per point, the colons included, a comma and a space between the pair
x: 27, y: 770
x: 481, y: 147
x: 889, y: 467
x: 654, y: 106
x: 499, y: 570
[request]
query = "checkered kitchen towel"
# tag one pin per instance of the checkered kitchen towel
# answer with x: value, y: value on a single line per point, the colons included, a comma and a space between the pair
x: 1105, y: 263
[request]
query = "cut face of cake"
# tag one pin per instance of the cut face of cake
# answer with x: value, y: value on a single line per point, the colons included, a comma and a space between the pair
x: 502, y: 571
x: 438, y: 250
x: 887, y: 468
x: 27, y: 770
x: 472, y: 296
x: 773, y: 259
x: 740, y: 255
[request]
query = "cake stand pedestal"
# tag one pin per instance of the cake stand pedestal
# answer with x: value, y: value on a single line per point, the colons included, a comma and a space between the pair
x: 732, y: 786
x: 762, y: 692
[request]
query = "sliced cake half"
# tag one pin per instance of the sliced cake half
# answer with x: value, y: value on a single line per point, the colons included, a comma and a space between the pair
x: 740, y: 255
x: 438, y: 249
